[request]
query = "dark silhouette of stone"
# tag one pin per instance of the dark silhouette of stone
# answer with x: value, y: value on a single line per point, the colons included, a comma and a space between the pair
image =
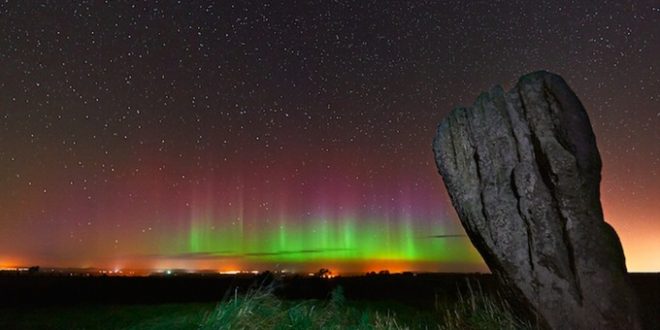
x: 523, y: 172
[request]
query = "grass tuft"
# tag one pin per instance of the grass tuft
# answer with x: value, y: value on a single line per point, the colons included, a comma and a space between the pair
x: 261, y: 309
x: 478, y: 310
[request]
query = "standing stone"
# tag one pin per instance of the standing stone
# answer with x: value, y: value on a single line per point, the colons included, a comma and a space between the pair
x: 523, y: 172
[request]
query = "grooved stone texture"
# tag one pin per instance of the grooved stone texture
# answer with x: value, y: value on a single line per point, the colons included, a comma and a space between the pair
x: 523, y: 172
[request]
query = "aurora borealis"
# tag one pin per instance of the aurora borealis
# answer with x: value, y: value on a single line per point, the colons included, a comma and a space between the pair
x: 264, y: 135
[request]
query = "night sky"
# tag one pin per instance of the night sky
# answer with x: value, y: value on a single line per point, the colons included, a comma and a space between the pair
x: 297, y: 135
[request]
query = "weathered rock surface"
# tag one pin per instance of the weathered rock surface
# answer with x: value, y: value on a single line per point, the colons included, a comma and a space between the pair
x: 523, y: 171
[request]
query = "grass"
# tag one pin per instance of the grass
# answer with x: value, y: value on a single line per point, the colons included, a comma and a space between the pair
x: 162, y: 316
x: 261, y: 309
x: 477, y: 310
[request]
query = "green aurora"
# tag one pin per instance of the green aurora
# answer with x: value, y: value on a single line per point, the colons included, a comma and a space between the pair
x: 344, y: 243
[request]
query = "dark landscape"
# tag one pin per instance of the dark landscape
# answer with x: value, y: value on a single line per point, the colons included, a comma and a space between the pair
x: 58, y: 301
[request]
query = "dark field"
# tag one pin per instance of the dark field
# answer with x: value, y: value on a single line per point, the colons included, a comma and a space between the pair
x: 183, y: 302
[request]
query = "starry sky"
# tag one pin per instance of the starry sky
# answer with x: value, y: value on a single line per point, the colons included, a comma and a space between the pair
x: 293, y: 134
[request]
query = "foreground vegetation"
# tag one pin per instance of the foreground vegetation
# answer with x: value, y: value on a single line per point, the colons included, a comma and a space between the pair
x: 260, y: 309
